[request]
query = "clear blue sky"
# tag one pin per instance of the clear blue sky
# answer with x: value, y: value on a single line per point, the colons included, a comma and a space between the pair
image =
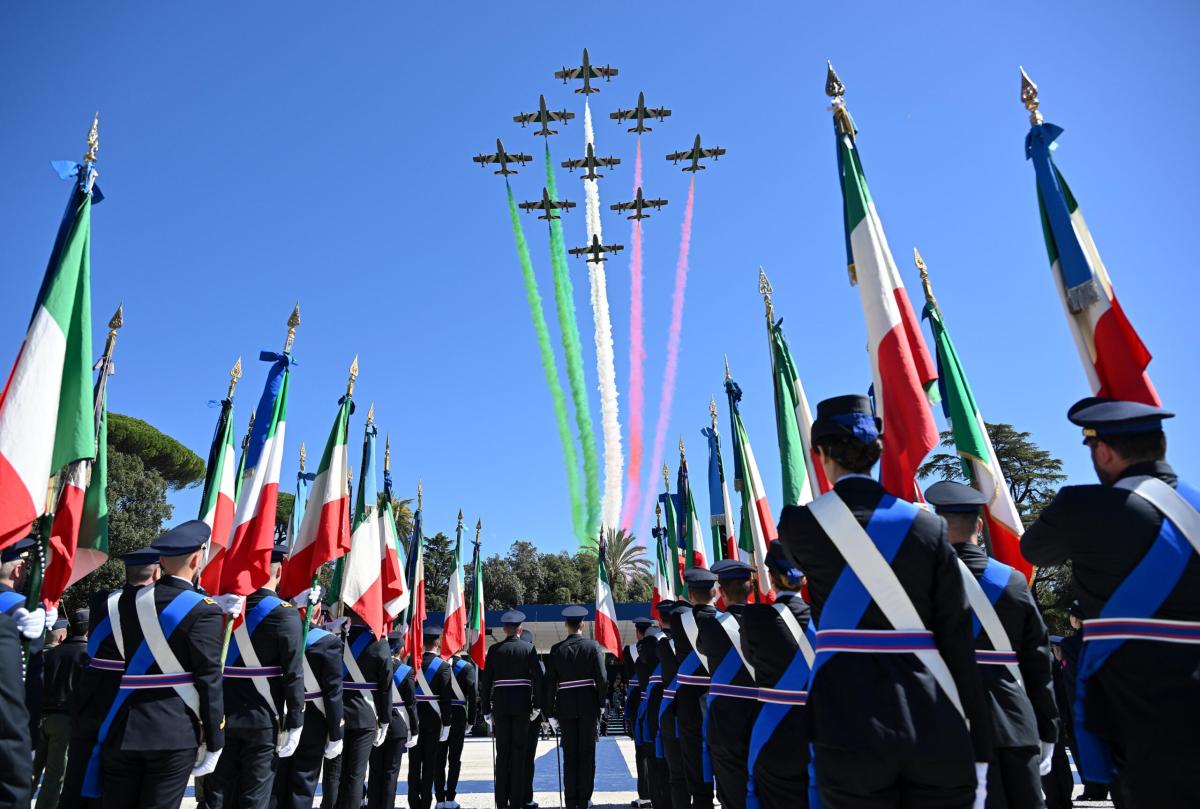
x: 261, y: 153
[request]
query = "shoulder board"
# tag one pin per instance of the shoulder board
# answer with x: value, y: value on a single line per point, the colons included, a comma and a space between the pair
x: 208, y: 600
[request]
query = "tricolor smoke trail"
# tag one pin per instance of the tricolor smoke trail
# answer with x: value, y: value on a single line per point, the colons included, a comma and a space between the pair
x: 564, y: 299
x: 673, y: 334
x: 606, y: 371
x: 550, y: 369
x: 637, y: 358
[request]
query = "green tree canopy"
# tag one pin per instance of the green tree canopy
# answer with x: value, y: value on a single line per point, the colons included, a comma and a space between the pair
x: 175, y: 463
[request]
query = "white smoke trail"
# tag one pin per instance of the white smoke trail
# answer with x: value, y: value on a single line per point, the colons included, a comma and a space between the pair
x: 614, y: 461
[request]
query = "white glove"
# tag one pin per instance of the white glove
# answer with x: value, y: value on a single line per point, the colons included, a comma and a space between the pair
x: 554, y: 724
x: 445, y: 734
x: 333, y: 749
x: 290, y: 741
x: 51, y: 618
x: 980, y: 785
x: 1045, y: 764
x: 533, y: 715
x: 31, y: 624
x: 411, y: 743
x: 311, y: 596
x: 380, y: 735
x: 230, y: 604
x: 207, y: 764
x: 488, y: 718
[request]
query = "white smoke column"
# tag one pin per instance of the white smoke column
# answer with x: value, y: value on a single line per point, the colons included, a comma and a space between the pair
x: 614, y: 461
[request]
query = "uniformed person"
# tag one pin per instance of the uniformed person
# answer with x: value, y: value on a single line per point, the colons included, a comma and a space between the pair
x: 535, y: 731
x: 15, y: 771
x: 264, y: 697
x: 691, y: 694
x: 434, y: 696
x: 1016, y: 666
x: 649, y: 673
x: 575, y: 689
x: 166, y: 722
x: 888, y: 728
x: 510, y: 698
x: 387, y: 758
x: 297, y: 775
x: 670, y: 756
x: 33, y: 624
x: 732, y: 696
x: 464, y: 686
x: 633, y: 701
x: 772, y: 634
x: 1133, y: 545
x: 65, y: 664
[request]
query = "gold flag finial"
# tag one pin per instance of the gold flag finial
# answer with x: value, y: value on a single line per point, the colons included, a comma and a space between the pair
x: 235, y: 373
x: 833, y: 85
x: 353, y: 376
x: 303, y: 456
x: 1029, y: 97
x: 249, y: 429
x: 478, y: 530
x: 93, y: 140
x: 667, y: 477
x: 460, y: 518
x: 712, y: 411
x: 292, y: 322
x: 114, y: 323
x: 925, y: 285
x: 682, y: 451
x: 835, y: 90
x: 658, y: 513
x: 765, y: 289
x: 349, y: 474
x: 420, y: 494
x: 387, y: 453
x: 728, y: 376
x: 371, y: 414
x: 118, y: 319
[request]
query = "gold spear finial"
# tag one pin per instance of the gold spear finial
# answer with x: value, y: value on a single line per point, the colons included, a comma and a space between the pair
x: 728, y: 376
x: 114, y: 323
x: 765, y: 289
x: 387, y: 453
x: 371, y: 414
x: 658, y: 513
x: 93, y: 140
x: 292, y: 323
x: 667, y: 476
x: 925, y: 285
x: 235, y: 373
x: 460, y: 518
x: 349, y: 475
x: 682, y: 451
x: 478, y: 530
x: 712, y: 411
x: 118, y: 319
x: 835, y: 90
x: 303, y: 456
x: 1029, y: 97
x: 833, y: 85
x: 353, y: 376
x: 249, y: 429
x: 420, y: 494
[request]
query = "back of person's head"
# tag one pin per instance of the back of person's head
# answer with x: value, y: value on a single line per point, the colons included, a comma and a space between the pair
x: 79, y: 622
x: 139, y: 575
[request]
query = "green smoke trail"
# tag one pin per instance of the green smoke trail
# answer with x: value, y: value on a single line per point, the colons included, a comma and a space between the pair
x: 550, y: 368
x: 564, y: 297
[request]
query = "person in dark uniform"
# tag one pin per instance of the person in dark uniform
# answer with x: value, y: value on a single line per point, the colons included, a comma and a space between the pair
x: 65, y: 665
x: 296, y: 776
x: 33, y: 624
x: 100, y: 681
x: 888, y: 729
x: 434, y: 697
x: 668, y: 725
x: 691, y: 695
x: 535, y: 731
x: 465, y: 693
x: 387, y: 758
x: 778, y: 743
x: 633, y: 701
x: 732, y: 695
x: 264, y: 697
x: 575, y: 688
x: 1071, y: 648
x: 510, y: 698
x: 1132, y: 544
x: 649, y: 674
x: 16, y: 774
x: 170, y: 706
x: 1017, y: 676
x: 1059, y: 785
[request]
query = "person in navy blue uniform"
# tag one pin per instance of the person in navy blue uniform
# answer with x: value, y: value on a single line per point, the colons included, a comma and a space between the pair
x: 16, y: 771
x: 433, y: 715
x: 33, y: 624
x: 264, y: 697
x: 1137, y: 577
x: 1058, y: 785
x: 387, y: 758
x: 65, y: 664
x: 691, y: 697
x: 462, y: 716
x: 575, y: 689
x: 649, y: 675
x: 667, y: 724
x: 1024, y: 711
x: 883, y: 729
x: 510, y: 698
x: 535, y: 732
x: 630, y: 656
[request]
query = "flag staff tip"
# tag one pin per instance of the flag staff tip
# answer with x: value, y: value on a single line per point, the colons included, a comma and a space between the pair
x: 235, y: 373
x: 303, y: 456
x: 420, y: 494
x: 93, y: 140
x: 1029, y: 97
x: 925, y: 284
x: 765, y: 289
x: 682, y: 451
x: 353, y: 377
x: 460, y: 524
x: 292, y: 322
x: 371, y: 414
x: 387, y: 454
x: 833, y: 85
x: 118, y: 319
x: 728, y: 376
x: 667, y: 476
x: 478, y: 530
x: 712, y: 411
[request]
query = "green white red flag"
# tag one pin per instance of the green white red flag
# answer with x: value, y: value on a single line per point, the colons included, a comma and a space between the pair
x: 691, y: 534
x: 454, y: 624
x: 803, y: 477
x: 757, y: 526
x: 606, y: 631
x: 664, y: 583
x: 362, y: 568
x: 92, y: 549
x: 220, y: 495
x: 476, y: 623
x: 414, y: 641
x: 395, y: 590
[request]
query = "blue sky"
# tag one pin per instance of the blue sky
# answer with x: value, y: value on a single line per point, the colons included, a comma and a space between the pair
x: 258, y: 154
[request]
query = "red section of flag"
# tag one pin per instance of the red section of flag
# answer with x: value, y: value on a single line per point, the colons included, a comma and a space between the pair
x: 479, y: 647
x: 302, y: 565
x: 607, y: 634
x: 391, y: 575
x: 1121, y: 359
x: 1006, y: 545
x: 210, y: 575
x: 64, y: 538
x: 454, y: 637
x: 248, y: 560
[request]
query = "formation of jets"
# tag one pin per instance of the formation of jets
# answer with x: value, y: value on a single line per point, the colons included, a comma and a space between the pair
x: 590, y: 162
x: 595, y: 251
x: 695, y: 154
x: 546, y: 204
x: 638, y: 205
x: 544, y: 117
x: 587, y: 71
x: 639, y: 114
x: 503, y: 158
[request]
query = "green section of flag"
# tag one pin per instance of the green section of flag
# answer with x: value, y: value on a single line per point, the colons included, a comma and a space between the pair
x: 792, y: 460
x: 855, y: 196
x: 673, y: 543
x: 958, y: 401
x: 93, y: 528
x: 216, y: 459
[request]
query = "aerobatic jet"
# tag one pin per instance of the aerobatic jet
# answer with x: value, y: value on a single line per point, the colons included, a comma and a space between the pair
x: 587, y: 71
x: 590, y: 162
x: 544, y: 117
x: 639, y: 204
x: 503, y: 158
x: 546, y: 204
x: 695, y: 154
x: 596, y: 250
x: 639, y: 114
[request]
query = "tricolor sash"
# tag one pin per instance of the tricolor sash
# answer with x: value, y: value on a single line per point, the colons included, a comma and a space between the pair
x: 10, y: 600
x: 983, y: 595
x: 241, y: 647
x: 312, y: 689
x: 721, y: 681
x: 424, y: 690
x: 352, y: 676
x: 398, y: 676
x: 641, y: 725
x: 460, y: 699
x: 1128, y: 614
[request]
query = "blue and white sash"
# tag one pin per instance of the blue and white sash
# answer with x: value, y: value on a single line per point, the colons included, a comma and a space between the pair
x: 352, y: 676
x: 399, y: 676
x: 982, y: 594
x: 641, y: 726
x: 10, y: 600
x: 312, y: 689
x: 241, y: 649
x: 424, y: 690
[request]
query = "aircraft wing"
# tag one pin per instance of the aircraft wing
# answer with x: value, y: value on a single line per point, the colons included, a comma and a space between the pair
x: 486, y: 158
x: 622, y: 206
x: 564, y: 204
x: 525, y: 117
x: 574, y: 164
x: 717, y: 152
x: 657, y: 203
x: 603, y: 72
x: 567, y: 73
x: 524, y: 158
x: 677, y: 156
x: 613, y: 248
x: 531, y: 206
x: 561, y: 115
x: 658, y: 112
x: 577, y: 251
x: 621, y: 115
x: 608, y: 161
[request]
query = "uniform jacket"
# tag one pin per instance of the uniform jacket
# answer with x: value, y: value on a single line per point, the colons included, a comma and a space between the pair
x: 511, y: 659
x: 278, y: 641
x: 575, y: 658
x: 736, y: 715
x: 647, y: 662
x: 1022, y: 716
x: 667, y: 658
x: 1105, y: 532
x: 98, y: 687
x: 404, y: 714
x: 324, y: 657
x: 16, y: 771
x: 767, y: 642
x: 375, y: 662
x: 65, y: 664
x: 683, y: 646
x: 467, y: 677
x: 439, y: 683
x: 889, y: 703
x: 634, y: 699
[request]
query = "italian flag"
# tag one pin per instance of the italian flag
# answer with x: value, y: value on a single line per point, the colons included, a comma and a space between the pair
x: 803, y: 477
x: 672, y: 537
x: 901, y: 369
x: 454, y: 626
x: 1114, y: 357
x: 392, y: 565
x: 606, y: 632
x: 758, y: 528
x: 217, y: 503
x: 691, y: 534
x: 46, y: 407
x: 324, y: 533
x: 724, y: 539
x: 414, y: 641
x: 974, y: 446
x: 92, y: 550
x: 476, y: 625
x: 362, y: 568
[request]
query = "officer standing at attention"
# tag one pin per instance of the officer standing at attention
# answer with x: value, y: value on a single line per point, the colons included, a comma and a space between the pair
x: 633, y: 701
x: 1134, y: 544
x: 732, y: 695
x: 433, y: 714
x: 575, y: 689
x: 169, y: 713
x: 16, y: 774
x: 1012, y: 648
x: 297, y: 775
x: 367, y: 708
x: 888, y: 728
x: 264, y: 697
x: 645, y: 722
x: 535, y: 730
x: 691, y: 695
x: 775, y: 645
x: 387, y: 758
x: 670, y: 756
x: 65, y: 665
x: 510, y: 699
x: 464, y: 686
x: 33, y: 624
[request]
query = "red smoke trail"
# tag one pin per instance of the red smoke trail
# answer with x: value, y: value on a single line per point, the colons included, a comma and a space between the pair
x: 673, y: 334
x: 637, y: 356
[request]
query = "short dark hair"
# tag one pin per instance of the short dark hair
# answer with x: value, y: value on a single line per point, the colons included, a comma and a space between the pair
x: 959, y: 522
x: 850, y: 453
x: 1137, y: 447
x: 741, y: 587
x: 139, y: 574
